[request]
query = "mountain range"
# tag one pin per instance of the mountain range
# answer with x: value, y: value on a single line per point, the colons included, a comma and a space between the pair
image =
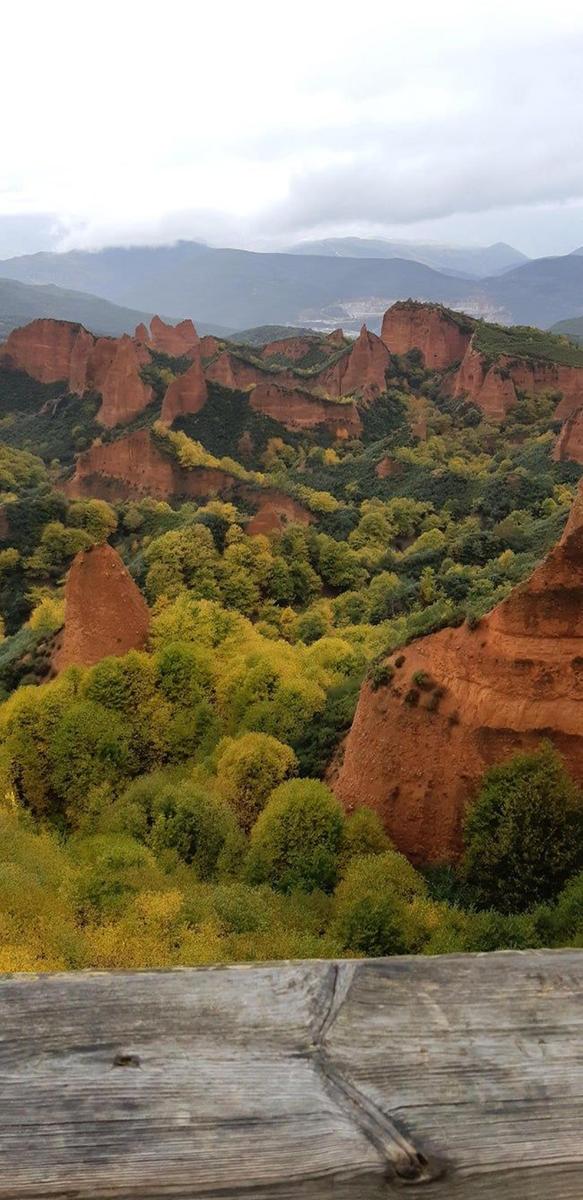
x: 228, y: 289
x: 471, y: 262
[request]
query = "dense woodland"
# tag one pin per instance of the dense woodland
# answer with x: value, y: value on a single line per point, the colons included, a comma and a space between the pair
x: 170, y: 807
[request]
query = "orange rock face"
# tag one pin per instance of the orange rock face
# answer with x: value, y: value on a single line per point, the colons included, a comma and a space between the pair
x: 133, y: 466
x: 209, y: 346
x: 416, y: 754
x: 42, y: 348
x: 174, y: 340
x: 569, y: 444
x: 105, y: 613
x: 123, y: 392
x: 187, y: 393
x: 494, y: 388
x: 293, y: 348
x: 429, y: 328
x: 276, y: 510
x: 299, y: 410
x: 59, y: 350
x: 365, y: 367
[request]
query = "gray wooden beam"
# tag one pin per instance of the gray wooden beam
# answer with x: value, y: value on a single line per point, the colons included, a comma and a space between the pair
x: 458, y: 1077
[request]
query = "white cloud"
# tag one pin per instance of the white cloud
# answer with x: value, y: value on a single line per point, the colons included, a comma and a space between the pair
x: 253, y: 124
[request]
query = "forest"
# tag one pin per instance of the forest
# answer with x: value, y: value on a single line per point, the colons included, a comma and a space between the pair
x: 173, y: 806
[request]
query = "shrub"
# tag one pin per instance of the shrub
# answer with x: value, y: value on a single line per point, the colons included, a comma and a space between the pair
x: 178, y: 815
x: 524, y: 834
x: 249, y: 768
x: 371, y: 901
x: 363, y: 834
x: 380, y: 675
x: 297, y: 839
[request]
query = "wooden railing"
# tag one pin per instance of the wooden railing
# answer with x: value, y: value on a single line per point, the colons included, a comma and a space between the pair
x: 457, y: 1077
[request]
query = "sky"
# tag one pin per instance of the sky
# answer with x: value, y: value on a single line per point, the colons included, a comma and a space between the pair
x: 262, y: 124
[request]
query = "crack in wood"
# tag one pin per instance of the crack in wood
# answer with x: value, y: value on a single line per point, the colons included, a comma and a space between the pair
x: 406, y: 1162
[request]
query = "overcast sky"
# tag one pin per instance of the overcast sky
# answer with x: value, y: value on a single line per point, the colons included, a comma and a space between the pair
x: 258, y: 124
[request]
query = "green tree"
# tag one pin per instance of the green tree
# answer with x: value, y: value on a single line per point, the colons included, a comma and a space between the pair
x: 370, y: 905
x: 249, y: 768
x: 296, y: 841
x: 524, y: 833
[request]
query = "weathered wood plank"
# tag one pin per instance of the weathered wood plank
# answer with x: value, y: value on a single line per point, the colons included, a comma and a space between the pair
x: 460, y: 1076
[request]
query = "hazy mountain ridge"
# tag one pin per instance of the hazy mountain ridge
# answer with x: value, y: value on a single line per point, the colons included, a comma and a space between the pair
x: 239, y: 289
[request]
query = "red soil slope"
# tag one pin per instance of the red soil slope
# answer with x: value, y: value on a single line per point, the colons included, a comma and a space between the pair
x: 416, y: 753
x: 105, y: 613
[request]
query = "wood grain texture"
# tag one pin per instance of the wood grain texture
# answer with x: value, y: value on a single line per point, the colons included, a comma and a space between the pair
x: 458, y: 1077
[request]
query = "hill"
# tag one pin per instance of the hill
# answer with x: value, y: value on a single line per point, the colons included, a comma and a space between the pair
x: 540, y: 292
x: 240, y: 288
x: 571, y: 328
x: 471, y: 262
x: 21, y: 303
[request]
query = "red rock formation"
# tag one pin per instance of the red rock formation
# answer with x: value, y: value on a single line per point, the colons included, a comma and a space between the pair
x: 60, y: 350
x: 276, y: 510
x: 141, y: 334
x: 297, y: 409
x: 442, y: 339
x: 293, y: 348
x: 209, y: 346
x: 365, y: 367
x: 222, y: 371
x: 494, y: 387
x: 569, y: 444
x: 133, y: 466
x: 336, y: 338
x: 105, y: 613
x: 387, y: 467
x: 417, y: 753
x: 42, y: 348
x: 187, y: 393
x: 174, y: 340
x: 123, y: 392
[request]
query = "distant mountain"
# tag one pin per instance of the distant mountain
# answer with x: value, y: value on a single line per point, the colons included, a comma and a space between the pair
x: 572, y: 328
x: 262, y: 334
x: 225, y: 290
x: 240, y: 288
x: 541, y: 292
x: 21, y: 303
x: 470, y: 261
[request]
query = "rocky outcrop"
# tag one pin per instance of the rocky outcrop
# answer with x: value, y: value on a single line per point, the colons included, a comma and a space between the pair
x: 209, y: 346
x: 105, y: 613
x: 276, y: 510
x: 292, y: 348
x: 569, y: 444
x: 297, y: 409
x: 187, y: 393
x: 133, y: 466
x: 490, y: 388
x: 43, y: 349
x: 494, y: 387
x: 442, y: 338
x: 463, y: 699
x: 123, y: 392
x: 365, y: 367
x: 51, y: 351
x: 174, y: 340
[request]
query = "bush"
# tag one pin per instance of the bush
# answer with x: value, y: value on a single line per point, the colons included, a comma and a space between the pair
x: 380, y: 675
x: 371, y: 904
x: 297, y: 839
x: 249, y: 768
x: 524, y: 834
x: 363, y: 834
x: 178, y: 816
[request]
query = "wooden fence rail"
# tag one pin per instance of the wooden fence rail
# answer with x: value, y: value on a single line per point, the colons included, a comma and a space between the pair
x: 458, y: 1077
